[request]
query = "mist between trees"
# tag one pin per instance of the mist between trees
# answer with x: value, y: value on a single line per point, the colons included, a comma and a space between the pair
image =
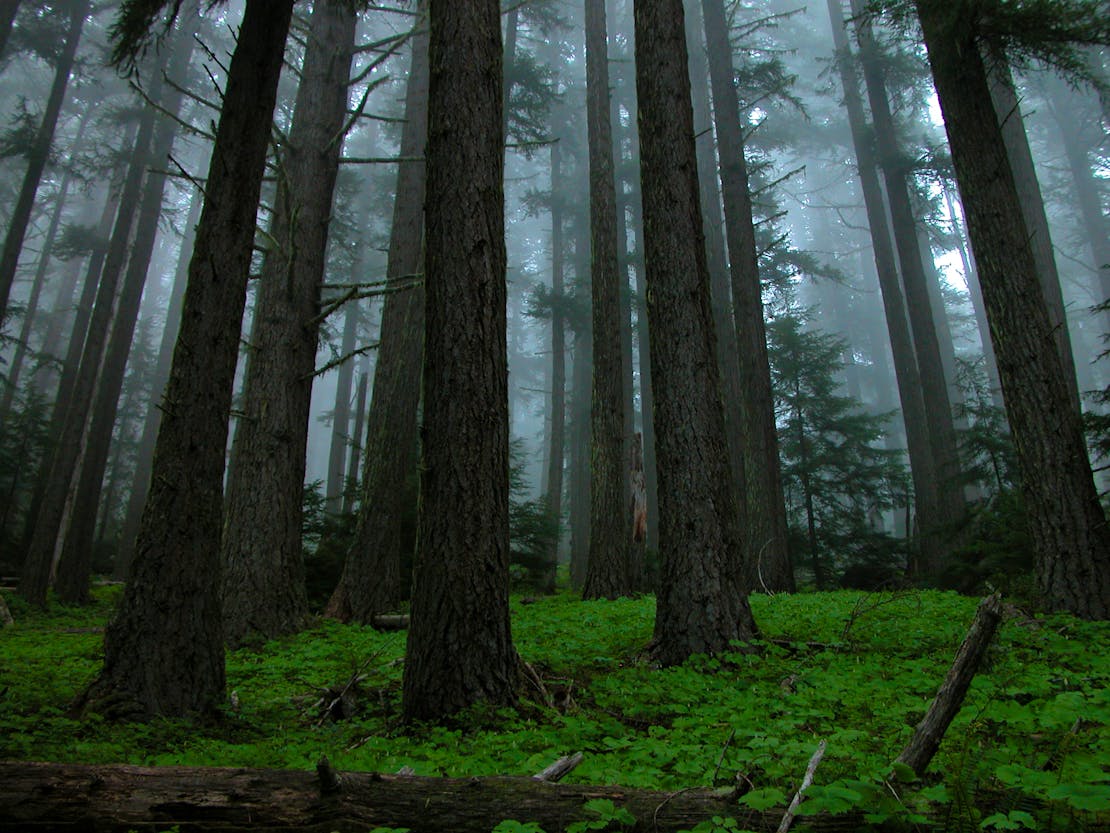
x: 348, y: 309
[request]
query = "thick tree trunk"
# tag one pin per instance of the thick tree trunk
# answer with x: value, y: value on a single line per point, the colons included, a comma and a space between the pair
x: 1067, y: 523
x: 341, y: 438
x: 702, y: 604
x: 557, y: 436
x: 8, y: 9
x: 72, y: 797
x: 263, y: 583
x: 371, y: 579
x: 75, y: 561
x: 65, y: 463
x: 460, y: 649
x: 607, y: 574
x: 713, y: 224
x: 930, y: 548
x: 39, y: 155
x: 919, y: 306
x: 765, y: 540
x: 164, y: 651
x: 144, y: 457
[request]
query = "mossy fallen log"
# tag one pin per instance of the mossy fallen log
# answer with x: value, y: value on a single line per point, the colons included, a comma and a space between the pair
x: 101, y: 798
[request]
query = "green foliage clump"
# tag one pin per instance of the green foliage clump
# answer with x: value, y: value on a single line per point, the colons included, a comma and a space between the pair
x: 855, y: 669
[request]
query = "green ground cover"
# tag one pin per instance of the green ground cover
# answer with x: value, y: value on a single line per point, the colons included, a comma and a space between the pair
x: 1030, y: 749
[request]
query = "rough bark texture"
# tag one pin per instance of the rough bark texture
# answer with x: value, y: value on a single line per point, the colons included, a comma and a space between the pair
x: 930, y: 731
x: 607, y: 573
x: 164, y: 651
x: 460, y: 648
x: 371, y: 580
x: 65, y: 459
x: 75, y: 561
x: 341, y: 437
x: 75, y: 797
x: 557, y: 435
x: 1066, y: 521
x: 702, y: 604
x: 765, y: 543
x: 930, y: 366
x: 713, y: 224
x: 922, y: 468
x: 263, y: 583
x: 39, y: 154
x: 145, y: 454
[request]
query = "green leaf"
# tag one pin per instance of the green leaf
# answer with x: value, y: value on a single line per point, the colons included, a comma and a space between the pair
x: 1093, y: 797
x: 764, y: 799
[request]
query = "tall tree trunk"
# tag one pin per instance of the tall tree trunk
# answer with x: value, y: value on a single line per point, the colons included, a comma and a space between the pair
x: 930, y: 548
x: 713, y: 224
x: 766, y: 541
x: 164, y: 651
x: 371, y: 579
x: 1067, y: 523
x: 356, y: 439
x: 557, y: 437
x: 581, y: 395
x: 1007, y: 110
x: 930, y: 366
x: 341, y: 438
x: 66, y: 457
x: 607, y: 573
x: 8, y: 9
x: 702, y: 604
x: 75, y: 561
x: 460, y: 649
x: 144, y: 457
x: 264, y: 592
x: 39, y: 154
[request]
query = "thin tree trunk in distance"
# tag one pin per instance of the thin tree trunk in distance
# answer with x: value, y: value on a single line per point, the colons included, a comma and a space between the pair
x: 557, y: 445
x: 354, y: 451
x: 341, y: 438
x: 164, y: 651
x: 145, y: 453
x: 607, y: 572
x: 264, y: 591
x: 371, y: 579
x: 75, y: 561
x: 459, y: 650
x: 39, y: 155
x: 1065, y: 518
x: 766, y: 540
x: 702, y: 603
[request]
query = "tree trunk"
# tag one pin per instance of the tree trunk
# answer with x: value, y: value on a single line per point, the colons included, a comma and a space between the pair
x: 702, y: 604
x: 130, y: 798
x: 371, y: 579
x: 65, y: 463
x: 164, y: 651
x: 930, y: 548
x: 713, y: 223
x: 765, y: 540
x: 580, y: 455
x: 460, y: 649
x: 75, y: 561
x: 1007, y: 110
x: 263, y: 591
x: 1067, y: 523
x: 8, y: 9
x: 930, y: 367
x: 356, y: 439
x: 607, y: 573
x: 557, y: 444
x: 145, y: 453
x: 341, y: 438
x: 39, y: 155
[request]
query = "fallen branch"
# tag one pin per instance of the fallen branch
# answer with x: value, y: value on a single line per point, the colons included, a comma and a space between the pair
x: 560, y: 769
x: 390, y: 621
x: 796, y: 802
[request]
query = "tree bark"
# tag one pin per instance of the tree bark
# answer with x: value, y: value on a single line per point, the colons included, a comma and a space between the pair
x: 371, y: 579
x: 580, y: 457
x: 460, y: 649
x: 607, y: 573
x: 765, y: 540
x: 8, y: 9
x: 263, y: 585
x: 702, y: 604
x: 164, y: 651
x: 75, y: 560
x: 930, y: 548
x: 557, y: 436
x: 39, y: 155
x: 919, y: 306
x: 341, y: 437
x: 1066, y: 521
x: 356, y: 438
x: 73, y: 797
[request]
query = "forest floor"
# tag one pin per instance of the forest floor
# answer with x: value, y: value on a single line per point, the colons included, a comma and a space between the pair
x: 1029, y: 750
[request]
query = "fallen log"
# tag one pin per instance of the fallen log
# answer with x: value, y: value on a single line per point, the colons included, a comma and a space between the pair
x: 76, y: 797
x: 390, y: 621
